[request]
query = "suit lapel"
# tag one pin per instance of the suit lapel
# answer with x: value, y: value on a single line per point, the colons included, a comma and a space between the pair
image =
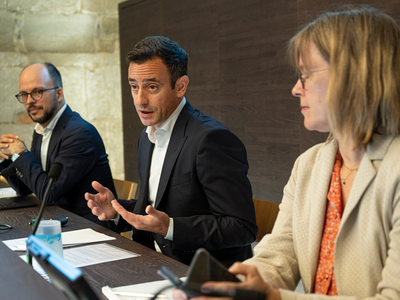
x: 360, y: 184
x: 57, y: 134
x: 375, y: 151
x: 178, y: 138
x: 36, y: 145
x: 321, y: 176
x: 145, y: 157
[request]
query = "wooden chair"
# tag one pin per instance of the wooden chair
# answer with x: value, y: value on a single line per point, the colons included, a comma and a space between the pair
x: 125, y: 190
x: 3, y: 179
x: 266, y: 213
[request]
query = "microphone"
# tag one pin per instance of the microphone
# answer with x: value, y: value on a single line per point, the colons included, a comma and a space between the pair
x: 6, y: 172
x: 55, y: 171
x: 53, y: 175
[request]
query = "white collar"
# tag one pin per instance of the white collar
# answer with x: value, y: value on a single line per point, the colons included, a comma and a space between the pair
x: 168, y: 125
x: 40, y: 129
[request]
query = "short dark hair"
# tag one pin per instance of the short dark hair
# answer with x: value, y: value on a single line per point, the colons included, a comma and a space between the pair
x: 173, y: 56
x: 54, y: 74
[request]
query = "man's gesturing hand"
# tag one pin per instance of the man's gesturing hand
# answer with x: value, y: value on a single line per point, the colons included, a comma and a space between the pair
x: 155, y: 221
x: 100, y: 204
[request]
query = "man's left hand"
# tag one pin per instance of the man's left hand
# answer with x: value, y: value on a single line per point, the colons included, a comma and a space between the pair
x: 155, y: 221
x: 10, y: 144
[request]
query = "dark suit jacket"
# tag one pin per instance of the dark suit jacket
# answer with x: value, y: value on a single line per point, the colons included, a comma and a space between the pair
x: 75, y: 144
x: 203, y: 187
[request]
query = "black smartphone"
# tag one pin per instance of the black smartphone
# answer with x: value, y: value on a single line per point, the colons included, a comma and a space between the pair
x: 204, y: 267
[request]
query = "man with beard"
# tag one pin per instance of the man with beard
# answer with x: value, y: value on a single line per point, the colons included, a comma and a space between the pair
x: 60, y: 135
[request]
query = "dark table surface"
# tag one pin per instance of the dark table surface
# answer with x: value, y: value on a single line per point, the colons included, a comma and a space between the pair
x: 19, y: 281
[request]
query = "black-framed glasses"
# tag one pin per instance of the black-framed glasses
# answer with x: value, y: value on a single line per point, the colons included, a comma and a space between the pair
x: 303, y: 80
x: 35, y: 94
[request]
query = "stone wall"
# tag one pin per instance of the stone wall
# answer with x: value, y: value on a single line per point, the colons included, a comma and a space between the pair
x: 80, y: 37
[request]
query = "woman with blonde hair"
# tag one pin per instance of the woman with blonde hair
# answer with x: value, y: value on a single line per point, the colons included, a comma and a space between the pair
x: 338, y: 228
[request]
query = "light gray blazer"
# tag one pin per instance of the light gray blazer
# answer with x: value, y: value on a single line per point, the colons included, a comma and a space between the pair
x: 367, y: 251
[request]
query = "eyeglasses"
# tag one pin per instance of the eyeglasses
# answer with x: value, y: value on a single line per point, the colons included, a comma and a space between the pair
x: 303, y: 80
x: 36, y: 95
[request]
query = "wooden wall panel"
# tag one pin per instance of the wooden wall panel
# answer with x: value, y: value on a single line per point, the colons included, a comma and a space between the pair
x: 238, y: 71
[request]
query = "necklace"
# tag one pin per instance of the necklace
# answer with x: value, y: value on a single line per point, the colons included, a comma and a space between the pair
x: 348, y: 175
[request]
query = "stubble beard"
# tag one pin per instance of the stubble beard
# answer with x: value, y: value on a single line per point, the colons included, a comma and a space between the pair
x: 47, y: 115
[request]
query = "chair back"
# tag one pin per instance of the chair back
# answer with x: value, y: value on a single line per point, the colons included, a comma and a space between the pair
x: 266, y: 213
x: 125, y: 189
x: 3, y: 179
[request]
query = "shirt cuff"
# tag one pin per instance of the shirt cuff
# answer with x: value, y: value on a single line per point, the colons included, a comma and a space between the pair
x: 170, y: 233
x: 116, y: 220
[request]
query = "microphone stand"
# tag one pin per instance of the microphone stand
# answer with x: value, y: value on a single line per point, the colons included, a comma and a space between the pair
x: 54, y: 173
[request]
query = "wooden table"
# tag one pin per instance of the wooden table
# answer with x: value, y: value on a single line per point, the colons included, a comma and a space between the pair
x: 19, y: 281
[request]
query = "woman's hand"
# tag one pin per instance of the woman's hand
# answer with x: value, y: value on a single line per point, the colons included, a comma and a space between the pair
x: 253, y: 282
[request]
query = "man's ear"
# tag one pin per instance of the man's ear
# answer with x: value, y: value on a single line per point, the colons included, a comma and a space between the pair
x: 60, y: 94
x: 181, y: 85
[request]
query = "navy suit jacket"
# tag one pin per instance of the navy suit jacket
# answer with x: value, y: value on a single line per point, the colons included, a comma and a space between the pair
x: 203, y: 187
x: 75, y: 144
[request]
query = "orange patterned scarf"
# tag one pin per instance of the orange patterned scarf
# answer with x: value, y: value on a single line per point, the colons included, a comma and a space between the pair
x: 325, y: 279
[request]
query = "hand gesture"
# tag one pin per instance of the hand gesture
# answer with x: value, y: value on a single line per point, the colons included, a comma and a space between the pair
x: 155, y: 221
x: 100, y: 204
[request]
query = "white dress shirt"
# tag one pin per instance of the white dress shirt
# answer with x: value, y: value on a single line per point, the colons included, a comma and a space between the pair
x: 47, y: 133
x: 160, y: 137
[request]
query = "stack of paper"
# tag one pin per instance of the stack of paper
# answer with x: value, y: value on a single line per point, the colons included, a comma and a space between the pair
x: 7, y: 192
x: 140, y: 291
x: 69, y: 238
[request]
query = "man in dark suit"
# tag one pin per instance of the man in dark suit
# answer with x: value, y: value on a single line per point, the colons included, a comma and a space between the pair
x: 60, y: 135
x: 194, y: 188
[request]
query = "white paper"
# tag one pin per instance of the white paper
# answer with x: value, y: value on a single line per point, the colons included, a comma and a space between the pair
x: 69, y: 238
x: 148, y: 287
x: 7, y: 192
x: 84, y: 236
x: 16, y: 244
x: 93, y: 254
